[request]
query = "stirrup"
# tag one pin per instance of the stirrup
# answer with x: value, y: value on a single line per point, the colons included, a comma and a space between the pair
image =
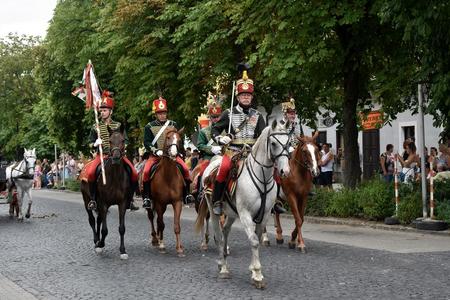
x: 189, y: 199
x: 92, y: 205
x: 147, y: 203
x: 279, y: 209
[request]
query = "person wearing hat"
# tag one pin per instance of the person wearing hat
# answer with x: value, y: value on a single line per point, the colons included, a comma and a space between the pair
x: 154, y: 137
x: 207, y: 146
x: 247, y: 124
x: 106, y: 125
x: 290, y: 115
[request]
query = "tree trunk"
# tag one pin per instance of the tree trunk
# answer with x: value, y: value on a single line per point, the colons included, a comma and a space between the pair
x: 353, y: 85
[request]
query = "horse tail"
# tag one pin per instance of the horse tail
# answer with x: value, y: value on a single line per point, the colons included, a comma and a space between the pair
x: 202, y: 212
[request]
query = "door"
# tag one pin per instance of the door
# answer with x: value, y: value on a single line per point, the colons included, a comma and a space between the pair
x: 371, y: 152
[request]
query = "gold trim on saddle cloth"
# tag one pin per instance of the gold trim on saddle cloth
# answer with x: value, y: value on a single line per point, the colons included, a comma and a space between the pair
x: 243, y: 141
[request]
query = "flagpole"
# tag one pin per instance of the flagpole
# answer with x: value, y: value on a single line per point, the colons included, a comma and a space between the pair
x: 97, y: 127
x: 231, y: 107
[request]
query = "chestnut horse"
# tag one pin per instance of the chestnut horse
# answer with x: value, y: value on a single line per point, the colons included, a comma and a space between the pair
x: 296, y: 186
x: 166, y: 186
x: 116, y: 191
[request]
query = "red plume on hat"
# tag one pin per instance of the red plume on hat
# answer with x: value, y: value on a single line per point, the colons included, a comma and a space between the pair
x: 107, y: 100
x: 214, y: 108
x: 245, y: 84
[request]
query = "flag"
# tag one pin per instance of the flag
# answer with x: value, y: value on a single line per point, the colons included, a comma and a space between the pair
x: 93, y: 96
x: 80, y: 92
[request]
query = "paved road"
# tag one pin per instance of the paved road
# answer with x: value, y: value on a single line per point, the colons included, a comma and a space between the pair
x: 52, y: 257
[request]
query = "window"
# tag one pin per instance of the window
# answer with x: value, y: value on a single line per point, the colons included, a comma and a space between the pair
x: 409, y: 132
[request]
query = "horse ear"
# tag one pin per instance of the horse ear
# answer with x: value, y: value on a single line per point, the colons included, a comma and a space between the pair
x: 181, y: 131
x: 25, y: 150
x: 315, y: 135
x: 34, y: 151
x: 274, y: 124
x: 287, y: 124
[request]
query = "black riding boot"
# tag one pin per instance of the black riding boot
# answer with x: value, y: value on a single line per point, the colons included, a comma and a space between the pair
x: 131, y: 205
x: 187, y: 196
x: 146, y: 195
x: 219, y: 189
x: 92, y: 205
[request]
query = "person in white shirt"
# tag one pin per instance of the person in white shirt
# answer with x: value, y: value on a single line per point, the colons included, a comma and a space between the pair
x: 326, y: 164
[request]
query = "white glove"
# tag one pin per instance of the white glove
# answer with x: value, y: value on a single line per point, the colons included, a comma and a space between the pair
x: 225, y: 140
x: 158, y: 152
x: 216, y: 150
x: 291, y: 149
x: 98, y: 142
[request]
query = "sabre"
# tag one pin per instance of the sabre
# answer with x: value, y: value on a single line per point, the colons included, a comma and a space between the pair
x: 231, y: 106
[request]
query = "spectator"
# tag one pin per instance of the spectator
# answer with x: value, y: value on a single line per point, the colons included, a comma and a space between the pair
x: 37, y: 175
x: 387, y: 161
x: 326, y: 164
x: 432, y: 159
x: 410, y: 164
x: 187, y: 159
x: 194, y: 159
x: 45, y: 169
x: 443, y: 161
x: 72, y: 166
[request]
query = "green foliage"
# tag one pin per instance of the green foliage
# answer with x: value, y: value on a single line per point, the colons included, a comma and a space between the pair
x: 344, y: 203
x: 317, y: 205
x: 410, y: 207
x: 72, y: 185
x: 442, y: 199
x: 376, y: 199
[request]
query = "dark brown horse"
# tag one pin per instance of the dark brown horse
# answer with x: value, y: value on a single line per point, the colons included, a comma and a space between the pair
x: 296, y: 186
x: 167, y: 185
x: 116, y: 191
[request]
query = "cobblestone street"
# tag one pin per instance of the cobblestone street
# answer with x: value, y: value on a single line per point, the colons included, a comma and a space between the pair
x: 51, y: 256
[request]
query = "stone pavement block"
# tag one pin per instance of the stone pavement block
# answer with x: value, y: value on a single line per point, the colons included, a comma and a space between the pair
x: 11, y: 291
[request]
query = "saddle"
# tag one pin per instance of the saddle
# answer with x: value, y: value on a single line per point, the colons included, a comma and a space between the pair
x: 156, y: 165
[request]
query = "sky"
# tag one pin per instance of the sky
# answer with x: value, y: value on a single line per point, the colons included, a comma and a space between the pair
x: 28, y: 17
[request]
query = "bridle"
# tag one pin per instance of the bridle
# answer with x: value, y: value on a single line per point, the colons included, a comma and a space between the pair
x: 167, y: 148
x: 284, y: 149
x: 27, y: 168
x: 305, y: 163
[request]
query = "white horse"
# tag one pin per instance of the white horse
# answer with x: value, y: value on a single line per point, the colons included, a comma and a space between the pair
x: 21, y: 175
x: 255, y: 190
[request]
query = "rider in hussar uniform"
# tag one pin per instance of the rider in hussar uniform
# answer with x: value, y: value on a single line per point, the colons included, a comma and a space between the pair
x: 154, y: 137
x: 106, y: 125
x: 247, y: 124
x: 289, y: 114
x: 207, y: 146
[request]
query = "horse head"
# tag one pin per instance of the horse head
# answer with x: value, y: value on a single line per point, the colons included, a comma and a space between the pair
x: 173, y: 145
x: 307, y: 153
x: 29, y: 157
x: 278, y: 146
x: 117, y: 146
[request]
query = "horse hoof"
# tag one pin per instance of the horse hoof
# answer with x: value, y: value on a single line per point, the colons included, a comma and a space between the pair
x: 204, y: 247
x: 301, y: 249
x: 98, y: 250
x: 280, y: 242
x: 266, y: 243
x: 20, y: 219
x: 291, y: 245
x: 162, y: 250
x: 124, y: 256
x: 260, y: 285
x: 181, y: 254
x: 27, y: 216
x: 224, y: 275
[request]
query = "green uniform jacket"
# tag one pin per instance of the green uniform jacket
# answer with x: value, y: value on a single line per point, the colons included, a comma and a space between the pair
x: 104, y: 134
x: 205, y: 142
x: 151, y: 130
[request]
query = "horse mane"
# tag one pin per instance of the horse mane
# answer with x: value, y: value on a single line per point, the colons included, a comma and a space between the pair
x: 263, y: 136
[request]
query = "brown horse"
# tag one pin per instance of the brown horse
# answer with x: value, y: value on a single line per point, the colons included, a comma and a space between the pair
x: 296, y: 186
x: 167, y: 185
x: 116, y: 191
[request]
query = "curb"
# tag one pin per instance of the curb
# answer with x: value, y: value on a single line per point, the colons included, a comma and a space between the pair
x: 343, y: 221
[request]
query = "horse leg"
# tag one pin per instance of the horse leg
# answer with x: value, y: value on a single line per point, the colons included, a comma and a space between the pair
x: 160, y: 228
x: 301, y: 243
x: 255, y: 265
x: 279, y: 230
x: 104, y: 231
x: 151, y: 216
x: 265, y: 238
x: 205, y: 235
x: 20, y: 195
x: 99, y: 227
x: 92, y: 224
x: 295, y: 212
x: 30, y: 201
x: 122, y: 210
x: 177, y: 228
